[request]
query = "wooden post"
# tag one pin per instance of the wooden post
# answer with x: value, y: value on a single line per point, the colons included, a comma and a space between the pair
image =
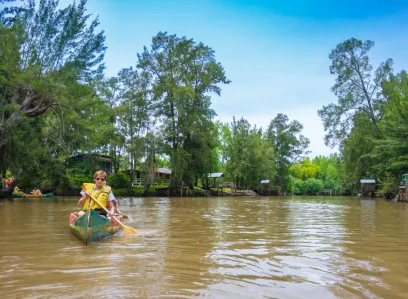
x: 406, y: 190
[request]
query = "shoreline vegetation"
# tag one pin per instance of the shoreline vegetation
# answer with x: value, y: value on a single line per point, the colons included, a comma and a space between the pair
x: 58, y: 107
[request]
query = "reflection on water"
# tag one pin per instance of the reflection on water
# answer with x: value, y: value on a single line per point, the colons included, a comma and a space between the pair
x: 239, y: 247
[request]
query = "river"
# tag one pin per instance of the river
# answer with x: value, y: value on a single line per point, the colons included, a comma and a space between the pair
x: 219, y: 247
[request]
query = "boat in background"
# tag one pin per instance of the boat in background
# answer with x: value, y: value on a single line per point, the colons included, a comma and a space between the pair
x: 32, y: 196
x: 92, y: 227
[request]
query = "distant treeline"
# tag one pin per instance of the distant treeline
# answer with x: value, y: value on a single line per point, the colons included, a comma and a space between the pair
x: 56, y: 103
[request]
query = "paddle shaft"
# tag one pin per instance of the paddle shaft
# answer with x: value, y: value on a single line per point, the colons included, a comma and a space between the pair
x: 121, y: 214
x: 88, y: 223
x: 106, y: 210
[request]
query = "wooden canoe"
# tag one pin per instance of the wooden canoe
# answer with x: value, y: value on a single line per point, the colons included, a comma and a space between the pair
x: 31, y: 196
x: 92, y: 227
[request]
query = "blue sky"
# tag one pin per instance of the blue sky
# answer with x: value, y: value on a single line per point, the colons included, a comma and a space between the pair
x: 274, y: 52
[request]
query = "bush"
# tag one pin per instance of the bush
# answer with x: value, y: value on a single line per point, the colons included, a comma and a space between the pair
x: 122, y: 180
x: 312, y: 186
x: 77, y: 179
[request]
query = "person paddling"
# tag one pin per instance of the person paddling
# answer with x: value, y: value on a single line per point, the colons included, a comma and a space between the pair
x: 101, y: 192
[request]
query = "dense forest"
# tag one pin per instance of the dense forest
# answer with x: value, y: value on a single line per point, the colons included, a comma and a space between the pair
x: 57, y: 103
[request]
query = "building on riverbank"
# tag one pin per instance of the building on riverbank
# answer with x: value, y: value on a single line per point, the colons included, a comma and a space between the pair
x: 367, y: 187
x: 92, y: 161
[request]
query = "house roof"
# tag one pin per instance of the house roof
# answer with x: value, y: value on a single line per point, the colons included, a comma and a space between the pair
x: 367, y: 181
x: 163, y: 170
x: 265, y: 181
x: 215, y: 175
x: 97, y: 156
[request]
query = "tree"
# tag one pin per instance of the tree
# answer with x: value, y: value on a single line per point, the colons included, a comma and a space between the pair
x: 305, y: 170
x: 391, y: 151
x: 109, y: 91
x: 183, y: 74
x: 135, y: 114
x: 357, y: 163
x: 289, y: 144
x: 249, y: 157
x: 357, y: 88
x: 50, y: 53
x: 330, y: 171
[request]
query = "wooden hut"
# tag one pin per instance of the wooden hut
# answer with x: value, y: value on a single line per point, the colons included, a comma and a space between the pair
x: 162, y: 175
x: 214, y: 176
x: 367, y: 187
x: 403, y: 190
x: 268, y: 189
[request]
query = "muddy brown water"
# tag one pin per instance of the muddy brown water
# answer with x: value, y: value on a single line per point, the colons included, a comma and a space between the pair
x: 220, y: 247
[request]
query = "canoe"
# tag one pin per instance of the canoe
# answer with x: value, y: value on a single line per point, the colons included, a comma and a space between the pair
x: 92, y: 227
x: 17, y: 195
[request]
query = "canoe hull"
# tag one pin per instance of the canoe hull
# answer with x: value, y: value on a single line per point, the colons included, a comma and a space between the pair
x: 98, y: 227
x: 29, y: 196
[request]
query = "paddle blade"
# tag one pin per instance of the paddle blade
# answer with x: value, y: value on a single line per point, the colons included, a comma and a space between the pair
x: 122, y: 216
x: 129, y: 230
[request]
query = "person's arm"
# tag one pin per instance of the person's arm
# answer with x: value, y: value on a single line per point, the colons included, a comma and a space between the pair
x: 110, y: 208
x: 82, y: 199
x: 116, y: 205
x: 111, y: 202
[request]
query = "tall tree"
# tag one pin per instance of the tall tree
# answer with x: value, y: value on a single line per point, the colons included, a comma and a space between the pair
x: 183, y: 73
x: 55, y: 52
x: 391, y: 151
x: 109, y: 90
x: 249, y: 157
x: 135, y: 114
x: 289, y: 144
x: 357, y: 88
x: 356, y: 149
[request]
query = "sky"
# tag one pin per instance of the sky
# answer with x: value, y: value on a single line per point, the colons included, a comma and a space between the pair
x: 274, y: 52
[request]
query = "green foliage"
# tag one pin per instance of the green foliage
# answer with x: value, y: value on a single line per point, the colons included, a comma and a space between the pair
x: 289, y: 145
x: 183, y: 74
x: 249, y: 157
x: 356, y: 148
x: 55, y: 104
x: 309, y: 186
x: 49, y: 106
x: 312, y: 186
x: 304, y: 170
x: 77, y: 179
x: 121, y: 179
x: 321, y: 173
x: 357, y: 88
x: 134, y: 113
x: 162, y: 161
x: 390, y: 152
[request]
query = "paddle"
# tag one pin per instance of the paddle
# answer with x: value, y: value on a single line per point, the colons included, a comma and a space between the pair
x: 120, y: 214
x: 126, y: 229
x: 125, y: 217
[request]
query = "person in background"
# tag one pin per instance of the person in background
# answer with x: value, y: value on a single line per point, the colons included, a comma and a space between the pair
x: 17, y: 190
x: 100, y: 191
